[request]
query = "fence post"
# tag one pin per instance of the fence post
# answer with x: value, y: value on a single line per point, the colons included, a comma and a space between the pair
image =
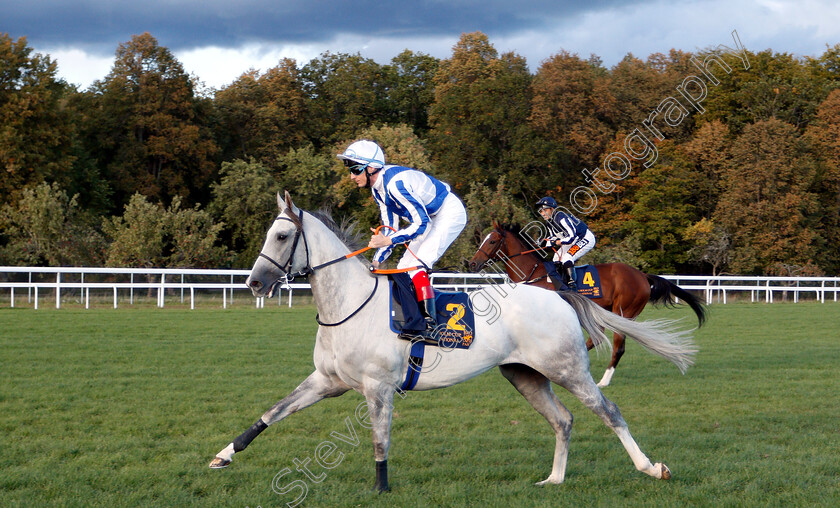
x: 58, y: 290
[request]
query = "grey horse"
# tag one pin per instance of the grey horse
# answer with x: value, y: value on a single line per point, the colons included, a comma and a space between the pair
x: 535, y: 339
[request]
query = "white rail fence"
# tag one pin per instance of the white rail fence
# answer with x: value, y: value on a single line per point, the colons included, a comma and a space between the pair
x: 37, y: 285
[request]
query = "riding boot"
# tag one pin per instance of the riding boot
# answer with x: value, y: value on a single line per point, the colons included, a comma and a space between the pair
x: 569, y: 272
x: 556, y: 278
x: 426, y: 296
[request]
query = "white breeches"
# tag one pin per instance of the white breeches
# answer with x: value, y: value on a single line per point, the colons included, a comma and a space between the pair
x: 444, y: 228
x: 575, y: 251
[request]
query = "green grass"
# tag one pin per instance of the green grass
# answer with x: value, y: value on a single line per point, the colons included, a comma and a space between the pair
x: 126, y: 407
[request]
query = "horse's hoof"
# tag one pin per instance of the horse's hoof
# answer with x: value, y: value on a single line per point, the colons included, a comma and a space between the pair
x: 666, y: 473
x: 550, y: 480
x: 219, y: 463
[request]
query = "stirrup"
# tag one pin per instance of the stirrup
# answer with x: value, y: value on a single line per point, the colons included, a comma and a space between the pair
x: 428, y: 335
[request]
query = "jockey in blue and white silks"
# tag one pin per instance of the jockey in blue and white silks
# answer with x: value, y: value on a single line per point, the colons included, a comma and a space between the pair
x: 434, y: 214
x: 569, y: 233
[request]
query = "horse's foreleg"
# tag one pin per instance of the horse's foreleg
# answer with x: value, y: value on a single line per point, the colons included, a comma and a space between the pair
x: 618, y: 352
x: 380, y: 408
x: 314, y: 388
x: 537, y: 391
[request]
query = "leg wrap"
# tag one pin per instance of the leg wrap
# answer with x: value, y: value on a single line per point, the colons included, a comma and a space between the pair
x: 382, y: 476
x: 246, y: 437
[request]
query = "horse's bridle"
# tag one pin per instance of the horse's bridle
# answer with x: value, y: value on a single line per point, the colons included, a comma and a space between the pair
x: 287, y: 277
x: 503, y: 234
x: 285, y: 269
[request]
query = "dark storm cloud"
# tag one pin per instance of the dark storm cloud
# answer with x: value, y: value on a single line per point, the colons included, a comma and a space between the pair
x: 185, y: 24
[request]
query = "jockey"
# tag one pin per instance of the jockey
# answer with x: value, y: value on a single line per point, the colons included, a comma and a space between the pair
x: 435, y: 215
x: 570, y: 234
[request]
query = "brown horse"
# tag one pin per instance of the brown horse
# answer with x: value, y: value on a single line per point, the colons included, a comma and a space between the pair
x: 625, y: 289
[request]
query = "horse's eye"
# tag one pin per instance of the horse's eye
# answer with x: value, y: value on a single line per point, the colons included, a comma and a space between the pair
x: 282, y: 236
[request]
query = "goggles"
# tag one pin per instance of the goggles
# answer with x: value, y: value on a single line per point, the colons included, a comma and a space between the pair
x: 354, y: 167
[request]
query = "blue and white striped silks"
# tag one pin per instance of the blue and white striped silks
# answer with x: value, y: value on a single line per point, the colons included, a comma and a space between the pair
x: 412, y: 195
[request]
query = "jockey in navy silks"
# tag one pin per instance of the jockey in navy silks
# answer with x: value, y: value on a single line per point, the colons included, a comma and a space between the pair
x: 570, y: 234
x: 434, y: 214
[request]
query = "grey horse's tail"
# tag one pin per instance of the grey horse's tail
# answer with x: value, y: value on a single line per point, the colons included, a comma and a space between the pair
x: 659, y: 336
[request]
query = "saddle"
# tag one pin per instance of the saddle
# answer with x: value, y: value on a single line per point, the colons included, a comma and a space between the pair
x: 455, y: 317
x: 455, y: 322
x: 586, y: 276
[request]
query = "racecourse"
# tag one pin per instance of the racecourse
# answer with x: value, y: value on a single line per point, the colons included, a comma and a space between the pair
x: 126, y: 407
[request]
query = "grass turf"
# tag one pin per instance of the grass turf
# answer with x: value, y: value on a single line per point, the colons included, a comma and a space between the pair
x: 126, y: 407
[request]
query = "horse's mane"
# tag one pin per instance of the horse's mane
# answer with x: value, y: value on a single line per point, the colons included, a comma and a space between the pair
x: 346, y: 231
x: 516, y: 229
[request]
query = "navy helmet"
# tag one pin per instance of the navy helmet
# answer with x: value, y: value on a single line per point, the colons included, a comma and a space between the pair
x: 546, y: 202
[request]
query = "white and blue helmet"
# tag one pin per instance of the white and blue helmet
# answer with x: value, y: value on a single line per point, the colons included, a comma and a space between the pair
x: 363, y: 154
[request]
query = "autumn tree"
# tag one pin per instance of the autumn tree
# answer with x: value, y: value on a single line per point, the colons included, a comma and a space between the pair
x: 479, y: 117
x: 261, y: 116
x: 35, y: 133
x: 709, y: 150
x: 766, y: 204
x: 573, y: 106
x: 824, y: 135
x: 143, y: 127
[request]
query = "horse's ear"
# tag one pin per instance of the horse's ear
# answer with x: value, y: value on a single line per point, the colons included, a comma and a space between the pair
x: 290, y: 209
x: 495, y: 224
x: 280, y: 204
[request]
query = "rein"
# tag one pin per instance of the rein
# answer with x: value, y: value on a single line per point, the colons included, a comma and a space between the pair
x: 288, y: 276
x: 527, y: 279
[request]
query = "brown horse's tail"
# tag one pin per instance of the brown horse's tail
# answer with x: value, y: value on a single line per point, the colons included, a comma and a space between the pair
x: 663, y: 291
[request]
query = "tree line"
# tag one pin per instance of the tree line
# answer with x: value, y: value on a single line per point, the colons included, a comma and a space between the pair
x: 149, y: 167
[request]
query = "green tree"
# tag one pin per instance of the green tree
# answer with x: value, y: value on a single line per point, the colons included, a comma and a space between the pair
x: 776, y: 86
x: 412, y: 91
x: 345, y: 93
x: 137, y: 238
x: 35, y: 135
x: 47, y: 227
x: 306, y: 175
x: 244, y: 200
x: 194, y: 238
x: 143, y: 127
x: 662, y: 209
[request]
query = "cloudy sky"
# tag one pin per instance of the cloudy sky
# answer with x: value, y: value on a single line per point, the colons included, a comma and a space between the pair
x: 218, y: 40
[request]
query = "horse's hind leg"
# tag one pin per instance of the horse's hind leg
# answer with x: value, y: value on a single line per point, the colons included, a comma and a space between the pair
x: 618, y: 352
x: 314, y: 388
x: 584, y: 388
x: 537, y: 391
